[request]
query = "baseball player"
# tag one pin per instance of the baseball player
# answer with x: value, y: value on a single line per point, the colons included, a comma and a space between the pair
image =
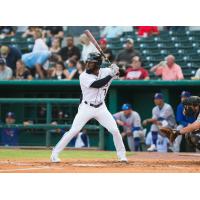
x: 191, y: 131
x: 94, y: 82
x: 162, y: 115
x: 182, y: 120
x: 131, y: 122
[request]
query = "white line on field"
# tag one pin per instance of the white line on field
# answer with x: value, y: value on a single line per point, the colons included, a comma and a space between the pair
x: 28, y: 169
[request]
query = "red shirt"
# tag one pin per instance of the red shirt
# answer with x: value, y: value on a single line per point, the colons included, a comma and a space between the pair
x: 142, y: 30
x: 135, y: 74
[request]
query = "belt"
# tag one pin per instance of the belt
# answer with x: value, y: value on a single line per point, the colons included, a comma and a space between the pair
x: 93, y: 105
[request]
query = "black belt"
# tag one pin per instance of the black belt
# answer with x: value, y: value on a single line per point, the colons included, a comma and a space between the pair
x: 93, y: 105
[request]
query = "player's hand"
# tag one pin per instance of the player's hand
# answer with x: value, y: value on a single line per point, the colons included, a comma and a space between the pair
x: 145, y: 122
x: 114, y: 70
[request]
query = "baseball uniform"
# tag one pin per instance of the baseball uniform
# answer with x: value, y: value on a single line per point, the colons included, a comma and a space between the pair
x: 133, y: 124
x: 93, y: 106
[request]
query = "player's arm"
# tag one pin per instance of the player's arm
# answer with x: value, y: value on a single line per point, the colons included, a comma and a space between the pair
x: 101, y: 82
x: 190, y: 128
x: 113, y: 71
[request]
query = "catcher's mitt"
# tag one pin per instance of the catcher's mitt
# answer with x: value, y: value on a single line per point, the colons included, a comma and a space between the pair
x: 171, y: 134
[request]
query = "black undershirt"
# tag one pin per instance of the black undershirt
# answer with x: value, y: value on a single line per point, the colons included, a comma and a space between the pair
x: 101, y: 82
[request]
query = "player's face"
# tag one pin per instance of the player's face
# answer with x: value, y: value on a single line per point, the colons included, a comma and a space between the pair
x: 91, y: 66
x: 127, y: 112
x: 183, y: 98
x: 158, y: 102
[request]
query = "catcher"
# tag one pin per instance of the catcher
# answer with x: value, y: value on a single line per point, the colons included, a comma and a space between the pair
x: 192, y: 131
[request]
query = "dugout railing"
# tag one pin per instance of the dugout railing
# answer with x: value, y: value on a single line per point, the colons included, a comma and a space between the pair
x: 48, y: 126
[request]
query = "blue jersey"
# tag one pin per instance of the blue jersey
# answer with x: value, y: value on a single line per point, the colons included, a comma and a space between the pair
x: 33, y: 58
x: 181, y: 118
x: 9, y: 136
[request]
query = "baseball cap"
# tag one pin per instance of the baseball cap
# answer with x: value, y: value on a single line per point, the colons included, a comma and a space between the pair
x: 102, y: 41
x: 2, y: 61
x: 185, y: 94
x: 10, y: 114
x: 130, y: 40
x: 126, y: 106
x: 158, y: 96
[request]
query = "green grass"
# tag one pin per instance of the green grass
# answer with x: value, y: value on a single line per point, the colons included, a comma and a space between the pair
x: 45, y: 154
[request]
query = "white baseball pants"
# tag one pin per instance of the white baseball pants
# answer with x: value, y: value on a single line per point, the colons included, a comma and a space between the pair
x: 103, y: 116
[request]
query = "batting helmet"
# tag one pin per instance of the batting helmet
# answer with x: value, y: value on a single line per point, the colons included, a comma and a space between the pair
x: 94, y: 57
x: 126, y: 106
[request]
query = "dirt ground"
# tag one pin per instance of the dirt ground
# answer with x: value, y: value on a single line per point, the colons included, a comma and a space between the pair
x: 140, y: 162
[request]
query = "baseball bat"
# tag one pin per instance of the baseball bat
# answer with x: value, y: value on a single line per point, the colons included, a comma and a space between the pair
x: 95, y: 43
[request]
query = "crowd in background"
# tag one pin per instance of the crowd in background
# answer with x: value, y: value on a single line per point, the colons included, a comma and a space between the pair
x: 55, y: 56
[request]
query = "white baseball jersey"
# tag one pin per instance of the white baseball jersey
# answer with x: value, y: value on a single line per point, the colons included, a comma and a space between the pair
x: 165, y: 113
x: 87, y: 112
x: 94, y: 95
x: 133, y: 120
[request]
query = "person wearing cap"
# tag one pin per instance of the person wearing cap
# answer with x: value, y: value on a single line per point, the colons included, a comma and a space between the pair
x: 124, y: 57
x: 10, y: 136
x: 107, y: 51
x: 130, y: 121
x: 162, y: 116
x: 5, y: 71
x: 136, y: 71
x: 11, y: 55
x: 168, y: 69
x: 182, y: 120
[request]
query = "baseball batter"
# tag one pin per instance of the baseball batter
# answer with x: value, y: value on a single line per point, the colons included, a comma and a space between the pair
x: 94, y: 82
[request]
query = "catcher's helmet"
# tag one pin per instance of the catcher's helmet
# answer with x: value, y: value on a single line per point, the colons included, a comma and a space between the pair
x: 94, y: 57
x: 192, y: 101
x: 126, y: 106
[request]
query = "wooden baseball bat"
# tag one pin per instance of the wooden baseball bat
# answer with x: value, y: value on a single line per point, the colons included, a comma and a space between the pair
x: 95, y: 43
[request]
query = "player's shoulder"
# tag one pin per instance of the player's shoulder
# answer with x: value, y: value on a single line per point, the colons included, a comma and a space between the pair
x: 167, y: 106
x: 105, y: 69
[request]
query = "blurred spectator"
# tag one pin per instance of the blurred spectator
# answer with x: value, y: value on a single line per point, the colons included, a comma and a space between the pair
x: 59, y: 71
x: 55, y: 46
x: 55, y: 31
x: 10, y: 136
x: 5, y: 71
x: 11, y: 54
x: 88, y: 47
x: 39, y: 44
x: 197, y: 75
x: 131, y: 122
x: 145, y: 31
x: 136, y: 71
x: 182, y: 120
x: 30, y: 31
x: 112, y: 32
x: 80, y: 67
x: 6, y: 31
x: 70, y: 50
x: 37, y: 60
x: 168, y: 69
x: 107, y: 51
x: 125, y: 56
x: 162, y: 116
x: 71, y: 69
x: 22, y: 72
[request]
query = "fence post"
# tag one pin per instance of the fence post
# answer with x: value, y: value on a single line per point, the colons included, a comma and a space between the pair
x: 101, y: 138
x: 48, y: 121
